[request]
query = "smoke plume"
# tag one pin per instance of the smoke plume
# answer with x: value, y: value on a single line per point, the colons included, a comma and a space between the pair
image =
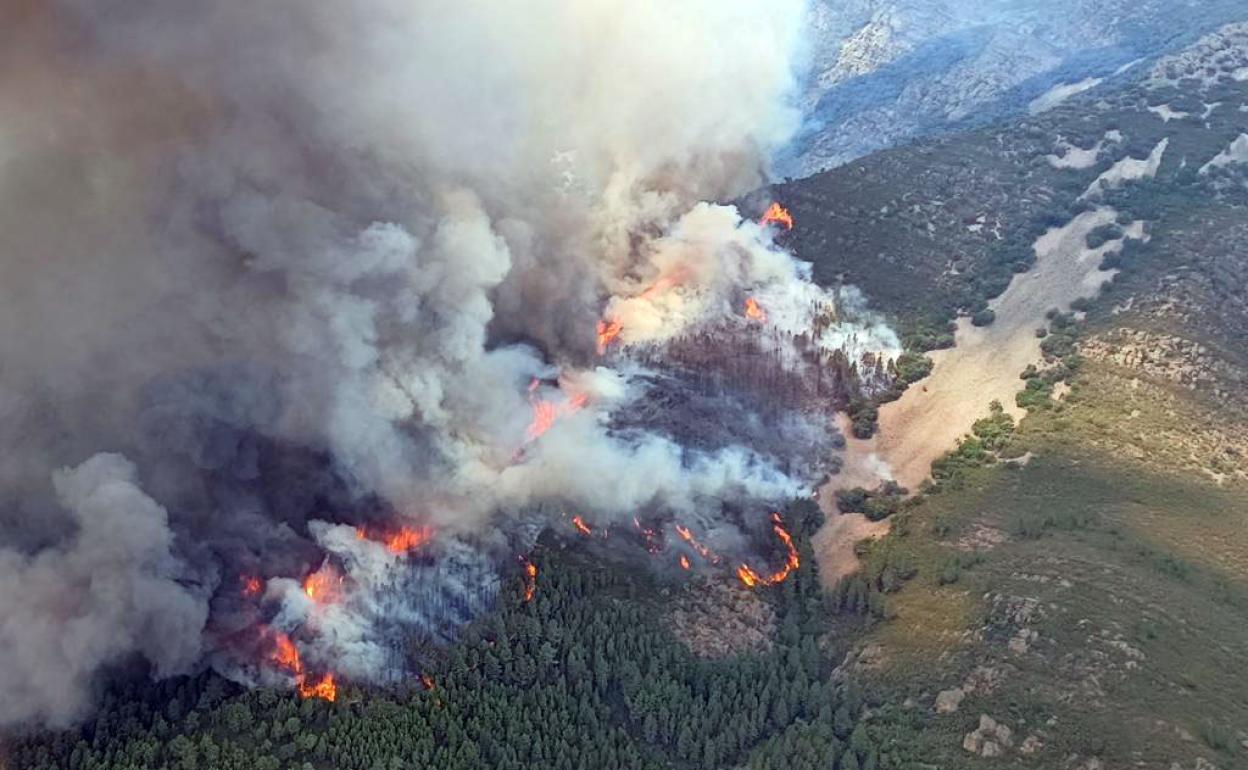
x: 318, y: 271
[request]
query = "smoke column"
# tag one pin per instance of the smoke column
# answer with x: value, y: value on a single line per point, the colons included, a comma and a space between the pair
x: 275, y: 269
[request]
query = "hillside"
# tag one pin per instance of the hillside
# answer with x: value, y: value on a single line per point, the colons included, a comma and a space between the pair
x: 1081, y: 579
x: 886, y: 72
x: 1064, y: 583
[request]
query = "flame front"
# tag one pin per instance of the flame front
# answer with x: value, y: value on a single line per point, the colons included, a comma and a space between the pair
x: 607, y: 332
x: 325, y: 689
x: 545, y: 413
x: 399, y: 542
x: 754, y: 311
x: 322, y: 586
x: 530, y: 580
x: 286, y: 655
x: 581, y: 526
x: 706, y: 553
x: 792, y: 560
x: 777, y: 215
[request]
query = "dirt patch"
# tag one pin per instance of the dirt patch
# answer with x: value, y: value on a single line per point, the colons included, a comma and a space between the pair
x: 983, y: 367
x: 834, y: 543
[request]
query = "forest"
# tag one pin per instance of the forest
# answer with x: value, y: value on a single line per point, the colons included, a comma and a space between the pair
x: 585, y: 674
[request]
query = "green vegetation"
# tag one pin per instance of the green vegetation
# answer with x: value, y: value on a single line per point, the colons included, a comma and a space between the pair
x: 586, y: 675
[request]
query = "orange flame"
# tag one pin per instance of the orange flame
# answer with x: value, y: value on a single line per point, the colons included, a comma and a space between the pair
x: 252, y: 585
x: 399, y: 542
x: 777, y: 215
x: 581, y: 526
x: 530, y: 580
x: 286, y: 655
x: 324, y: 689
x: 792, y: 561
x: 545, y: 413
x: 684, y: 561
x: 322, y: 586
x: 703, y: 551
x: 653, y: 544
x: 607, y: 332
x: 754, y: 311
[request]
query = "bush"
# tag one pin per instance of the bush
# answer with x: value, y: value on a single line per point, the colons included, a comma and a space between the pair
x: 1037, y: 395
x: 995, y: 429
x: 912, y: 367
x: 983, y: 318
x: 1102, y: 235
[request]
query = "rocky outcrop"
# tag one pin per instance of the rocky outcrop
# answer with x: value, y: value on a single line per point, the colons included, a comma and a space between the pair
x: 990, y: 739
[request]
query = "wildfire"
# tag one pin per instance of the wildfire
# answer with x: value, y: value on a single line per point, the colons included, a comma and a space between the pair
x: 322, y: 586
x: 545, y: 413
x: 530, y: 580
x: 286, y: 655
x: 607, y: 332
x: 399, y: 542
x: 252, y: 586
x: 792, y: 561
x: 653, y: 544
x: 427, y: 682
x: 684, y: 561
x: 324, y: 689
x: 777, y: 215
x: 581, y: 526
x: 754, y: 311
x: 706, y: 553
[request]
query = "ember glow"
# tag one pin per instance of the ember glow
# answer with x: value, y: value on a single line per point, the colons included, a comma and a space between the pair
x: 581, y: 526
x: 530, y: 580
x: 252, y: 586
x: 653, y: 543
x: 684, y: 561
x: 754, y: 311
x: 751, y: 578
x: 399, y: 542
x: 777, y: 215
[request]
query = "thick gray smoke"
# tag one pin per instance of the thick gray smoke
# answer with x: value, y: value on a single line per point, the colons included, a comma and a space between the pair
x: 301, y: 261
x: 110, y: 589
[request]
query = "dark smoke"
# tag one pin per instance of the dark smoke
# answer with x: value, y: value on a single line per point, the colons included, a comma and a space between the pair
x: 273, y: 259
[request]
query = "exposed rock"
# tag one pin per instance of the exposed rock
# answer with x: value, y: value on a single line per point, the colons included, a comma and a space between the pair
x: 990, y: 739
x: 948, y: 701
x: 869, y: 657
x: 1031, y: 744
x: 984, y: 680
x: 1022, y: 640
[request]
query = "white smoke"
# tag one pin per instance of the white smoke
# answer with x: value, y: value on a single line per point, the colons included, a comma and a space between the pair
x: 394, y: 216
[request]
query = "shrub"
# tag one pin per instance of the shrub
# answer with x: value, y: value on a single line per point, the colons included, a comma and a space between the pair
x: 983, y: 318
x: 912, y: 367
x: 1102, y: 235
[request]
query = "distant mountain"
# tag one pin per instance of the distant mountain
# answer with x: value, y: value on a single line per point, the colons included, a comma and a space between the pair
x: 882, y: 72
